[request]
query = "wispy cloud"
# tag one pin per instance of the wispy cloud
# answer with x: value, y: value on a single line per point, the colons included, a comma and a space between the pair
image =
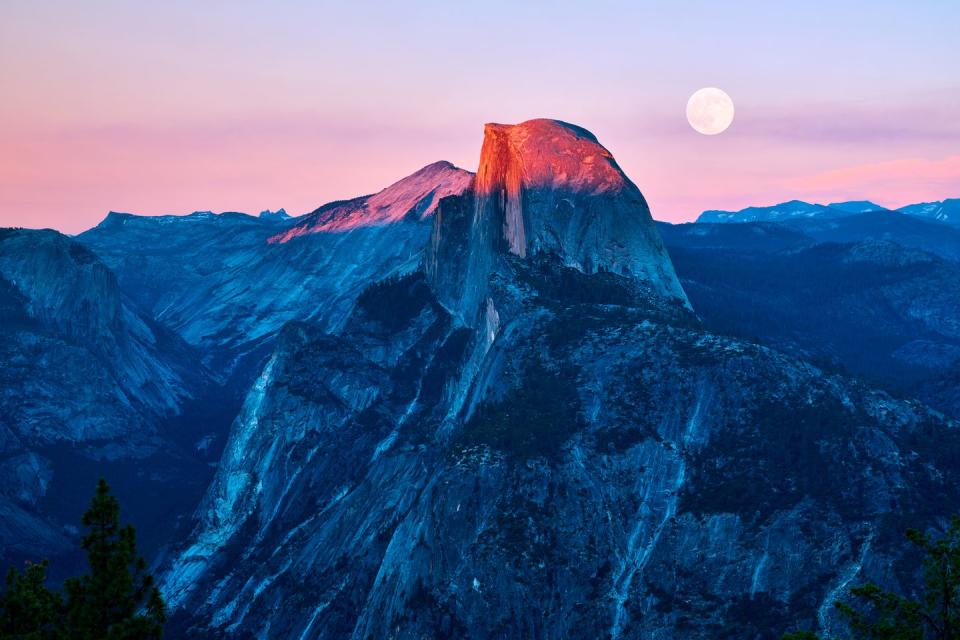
x: 897, y: 182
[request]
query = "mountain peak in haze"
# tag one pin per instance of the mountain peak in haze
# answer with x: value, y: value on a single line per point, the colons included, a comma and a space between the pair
x: 415, y: 196
x: 774, y: 213
x: 279, y: 214
x: 857, y: 206
x: 946, y: 211
x: 792, y: 209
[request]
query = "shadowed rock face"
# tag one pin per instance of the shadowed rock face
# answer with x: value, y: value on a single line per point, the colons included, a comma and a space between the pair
x: 526, y: 440
x: 569, y: 469
x: 884, y: 310
x: 89, y: 386
x: 228, y: 290
x: 68, y: 297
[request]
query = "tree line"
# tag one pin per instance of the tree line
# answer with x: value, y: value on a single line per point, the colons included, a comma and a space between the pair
x: 116, y: 599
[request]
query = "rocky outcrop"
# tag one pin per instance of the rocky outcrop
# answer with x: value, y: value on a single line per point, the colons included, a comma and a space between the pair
x: 545, y: 188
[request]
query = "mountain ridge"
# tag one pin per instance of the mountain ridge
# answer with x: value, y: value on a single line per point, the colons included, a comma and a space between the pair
x: 946, y: 211
x: 416, y: 195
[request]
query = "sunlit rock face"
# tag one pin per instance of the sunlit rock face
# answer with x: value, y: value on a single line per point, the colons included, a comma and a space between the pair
x: 415, y: 196
x: 548, y: 188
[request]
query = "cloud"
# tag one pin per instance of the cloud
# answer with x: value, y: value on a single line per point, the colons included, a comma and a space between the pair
x: 893, y: 183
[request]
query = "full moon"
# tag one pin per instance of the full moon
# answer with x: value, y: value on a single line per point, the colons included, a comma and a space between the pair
x: 710, y: 111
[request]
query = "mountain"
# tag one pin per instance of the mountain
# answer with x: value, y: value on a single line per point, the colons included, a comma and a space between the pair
x: 88, y: 383
x: 905, y: 230
x: 857, y: 206
x: 414, y: 197
x: 279, y: 214
x: 946, y: 211
x: 840, y: 222
x: 777, y: 213
x: 231, y: 281
x: 752, y: 236
x: 545, y: 188
x: 877, y: 309
x: 57, y: 290
x: 532, y: 435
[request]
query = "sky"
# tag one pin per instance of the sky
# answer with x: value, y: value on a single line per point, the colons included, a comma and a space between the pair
x: 174, y: 107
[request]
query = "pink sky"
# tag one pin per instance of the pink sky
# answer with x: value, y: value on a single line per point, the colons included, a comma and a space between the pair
x: 111, y: 106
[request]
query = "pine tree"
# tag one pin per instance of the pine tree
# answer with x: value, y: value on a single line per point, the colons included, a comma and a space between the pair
x: 117, y: 600
x: 882, y: 615
x: 28, y: 609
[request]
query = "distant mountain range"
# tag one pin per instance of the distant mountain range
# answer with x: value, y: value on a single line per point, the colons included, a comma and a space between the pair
x: 946, y: 211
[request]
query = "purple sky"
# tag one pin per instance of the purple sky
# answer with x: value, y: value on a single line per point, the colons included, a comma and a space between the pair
x: 252, y: 105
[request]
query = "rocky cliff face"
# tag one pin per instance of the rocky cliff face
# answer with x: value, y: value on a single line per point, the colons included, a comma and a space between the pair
x: 58, y: 294
x: 606, y: 474
x: 545, y: 188
x: 89, y: 385
x: 543, y: 442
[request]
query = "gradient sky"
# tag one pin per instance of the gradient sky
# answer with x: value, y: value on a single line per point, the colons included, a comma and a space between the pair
x: 181, y: 106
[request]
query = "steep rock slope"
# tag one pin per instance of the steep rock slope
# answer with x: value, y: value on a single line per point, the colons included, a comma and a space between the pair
x: 546, y: 188
x: 88, y: 384
x: 415, y: 196
x: 231, y: 281
x: 57, y: 292
x: 570, y: 456
x: 607, y: 473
